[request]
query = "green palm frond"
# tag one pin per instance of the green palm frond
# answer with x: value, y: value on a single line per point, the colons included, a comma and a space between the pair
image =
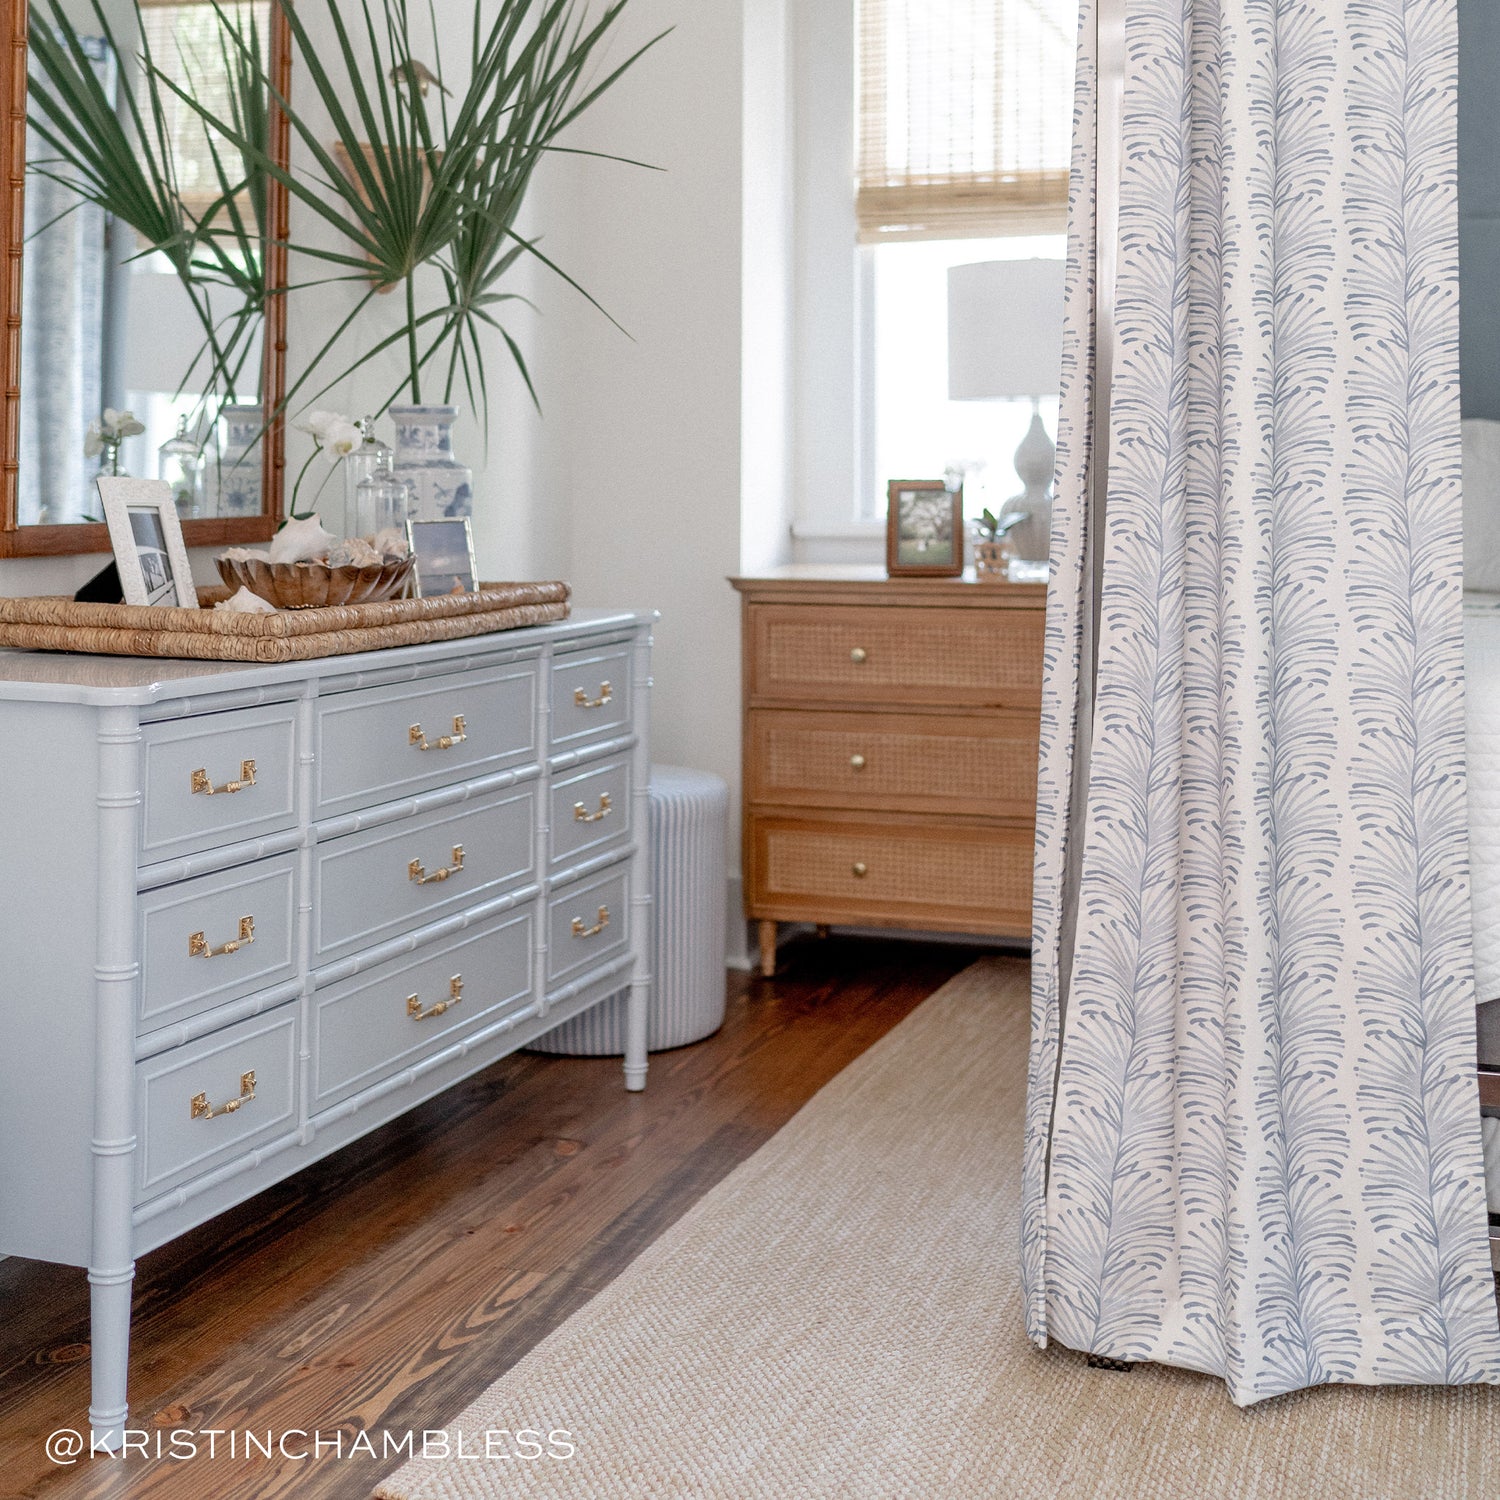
x: 409, y: 184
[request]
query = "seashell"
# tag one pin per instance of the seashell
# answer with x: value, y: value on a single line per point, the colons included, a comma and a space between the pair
x: 245, y: 554
x: 354, y: 552
x: 391, y: 543
x: 301, y: 540
x: 245, y: 603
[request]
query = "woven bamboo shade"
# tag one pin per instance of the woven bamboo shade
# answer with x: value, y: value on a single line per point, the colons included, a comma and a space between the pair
x: 965, y: 117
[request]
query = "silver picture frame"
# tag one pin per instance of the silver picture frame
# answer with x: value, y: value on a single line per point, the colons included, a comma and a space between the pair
x: 444, y: 550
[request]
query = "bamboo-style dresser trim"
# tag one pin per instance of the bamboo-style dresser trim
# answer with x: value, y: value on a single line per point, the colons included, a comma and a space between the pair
x: 254, y: 911
x: 890, y: 751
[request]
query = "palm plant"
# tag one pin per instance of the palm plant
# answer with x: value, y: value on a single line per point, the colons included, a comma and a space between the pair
x: 411, y: 188
x: 120, y: 158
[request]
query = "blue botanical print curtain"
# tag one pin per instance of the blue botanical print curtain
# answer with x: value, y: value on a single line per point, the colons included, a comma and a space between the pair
x: 1253, y: 1144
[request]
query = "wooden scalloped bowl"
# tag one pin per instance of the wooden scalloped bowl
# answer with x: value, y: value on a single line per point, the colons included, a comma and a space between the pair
x: 312, y: 585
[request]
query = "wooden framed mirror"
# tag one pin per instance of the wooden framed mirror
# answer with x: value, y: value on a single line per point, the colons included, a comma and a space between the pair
x: 91, y: 323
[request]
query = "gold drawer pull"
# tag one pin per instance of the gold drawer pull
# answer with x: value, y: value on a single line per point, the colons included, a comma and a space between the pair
x: 581, y: 697
x: 580, y: 931
x: 859, y: 656
x: 203, y: 1110
x: 198, y: 942
x: 861, y: 869
x: 606, y: 807
x: 414, y: 870
x: 460, y: 733
x: 201, y: 783
x: 857, y: 762
x: 455, y: 994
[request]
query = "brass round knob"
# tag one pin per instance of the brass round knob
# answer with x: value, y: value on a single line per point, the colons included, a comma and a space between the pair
x: 859, y: 656
x: 857, y: 762
x: 861, y: 869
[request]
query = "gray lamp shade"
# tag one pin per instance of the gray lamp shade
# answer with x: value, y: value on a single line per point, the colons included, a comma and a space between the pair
x: 1005, y: 329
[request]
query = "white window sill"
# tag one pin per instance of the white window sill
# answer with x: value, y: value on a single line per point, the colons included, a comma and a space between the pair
x: 846, y: 532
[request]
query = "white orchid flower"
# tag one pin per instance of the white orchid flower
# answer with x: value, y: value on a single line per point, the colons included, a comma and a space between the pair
x: 319, y: 424
x: 93, y: 441
x: 314, y: 424
x: 128, y: 425
x: 342, y: 437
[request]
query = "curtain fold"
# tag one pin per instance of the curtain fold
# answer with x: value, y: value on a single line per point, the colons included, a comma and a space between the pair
x: 1253, y: 1136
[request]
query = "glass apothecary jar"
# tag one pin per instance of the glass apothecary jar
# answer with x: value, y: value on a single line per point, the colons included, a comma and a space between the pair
x: 179, y: 461
x: 381, y: 499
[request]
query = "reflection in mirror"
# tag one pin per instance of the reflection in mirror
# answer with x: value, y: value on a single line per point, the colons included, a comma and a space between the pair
x: 145, y: 263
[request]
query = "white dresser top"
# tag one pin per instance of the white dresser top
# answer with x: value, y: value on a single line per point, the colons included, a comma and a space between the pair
x: 60, y: 677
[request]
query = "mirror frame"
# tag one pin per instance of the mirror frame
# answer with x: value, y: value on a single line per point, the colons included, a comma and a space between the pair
x: 64, y: 540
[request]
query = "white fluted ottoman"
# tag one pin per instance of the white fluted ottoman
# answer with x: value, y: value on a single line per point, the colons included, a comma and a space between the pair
x: 689, y: 822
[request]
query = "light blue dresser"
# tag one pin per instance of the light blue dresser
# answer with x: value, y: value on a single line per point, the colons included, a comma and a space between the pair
x: 252, y: 912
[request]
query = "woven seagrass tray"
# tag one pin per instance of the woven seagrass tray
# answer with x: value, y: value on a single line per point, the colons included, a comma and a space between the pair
x: 56, y: 623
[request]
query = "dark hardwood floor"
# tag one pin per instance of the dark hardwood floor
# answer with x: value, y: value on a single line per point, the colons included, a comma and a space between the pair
x: 384, y: 1288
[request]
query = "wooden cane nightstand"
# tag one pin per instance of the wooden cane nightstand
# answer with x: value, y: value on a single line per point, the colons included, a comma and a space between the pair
x: 890, y: 750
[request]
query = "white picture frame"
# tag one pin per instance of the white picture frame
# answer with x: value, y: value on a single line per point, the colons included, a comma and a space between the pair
x: 444, y: 551
x: 146, y: 535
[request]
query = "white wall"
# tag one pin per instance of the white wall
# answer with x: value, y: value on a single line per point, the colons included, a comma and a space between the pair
x: 651, y: 426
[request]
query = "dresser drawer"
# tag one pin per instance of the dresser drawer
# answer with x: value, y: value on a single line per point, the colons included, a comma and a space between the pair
x: 215, y: 1099
x: 892, y: 873
x: 587, y: 924
x: 220, y: 937
x: 894, y: 762
x: 376, y: 1023
x: 591, y: 811
x: 831, y: 654
x: 378, y: 744
x: 590, y: 695
x: 377, y: 884
x: 217, y: 779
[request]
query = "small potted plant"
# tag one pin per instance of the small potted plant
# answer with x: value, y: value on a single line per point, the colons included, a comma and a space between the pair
x: 991, y: 553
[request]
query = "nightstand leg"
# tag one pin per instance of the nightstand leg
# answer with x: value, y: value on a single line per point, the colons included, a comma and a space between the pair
x: 767, y: 949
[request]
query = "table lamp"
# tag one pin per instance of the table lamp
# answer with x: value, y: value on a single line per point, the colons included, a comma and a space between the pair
x: 1005, y: 328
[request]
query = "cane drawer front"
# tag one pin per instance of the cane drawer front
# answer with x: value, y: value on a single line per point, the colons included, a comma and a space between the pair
x: 591, y: 692
x: 216, y: 779
x: 936, y: 874
x: 982, y: 764
x: 587, y: 924
x: 831, y: 654
x: 591, y: 810
x: 218, y: 938
x: 204, y: 1104
x: 394, y: 877
x: 378, y: 744
x: 390, y: 1017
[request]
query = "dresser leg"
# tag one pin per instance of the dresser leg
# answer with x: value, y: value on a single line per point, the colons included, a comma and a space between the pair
x: 109, y: 1339
x: 767, y: 932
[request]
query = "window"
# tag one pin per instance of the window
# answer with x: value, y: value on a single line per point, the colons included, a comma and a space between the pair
x: 918, y: 432
x: 964, y: 135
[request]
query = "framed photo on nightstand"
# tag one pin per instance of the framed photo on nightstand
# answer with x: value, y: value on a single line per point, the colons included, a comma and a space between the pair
x: 924, y: 529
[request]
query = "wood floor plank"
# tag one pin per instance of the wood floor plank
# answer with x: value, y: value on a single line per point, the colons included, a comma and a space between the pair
x: 386, y: 1286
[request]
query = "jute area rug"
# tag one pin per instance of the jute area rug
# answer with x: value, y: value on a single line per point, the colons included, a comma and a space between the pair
x: 841, y: 1316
